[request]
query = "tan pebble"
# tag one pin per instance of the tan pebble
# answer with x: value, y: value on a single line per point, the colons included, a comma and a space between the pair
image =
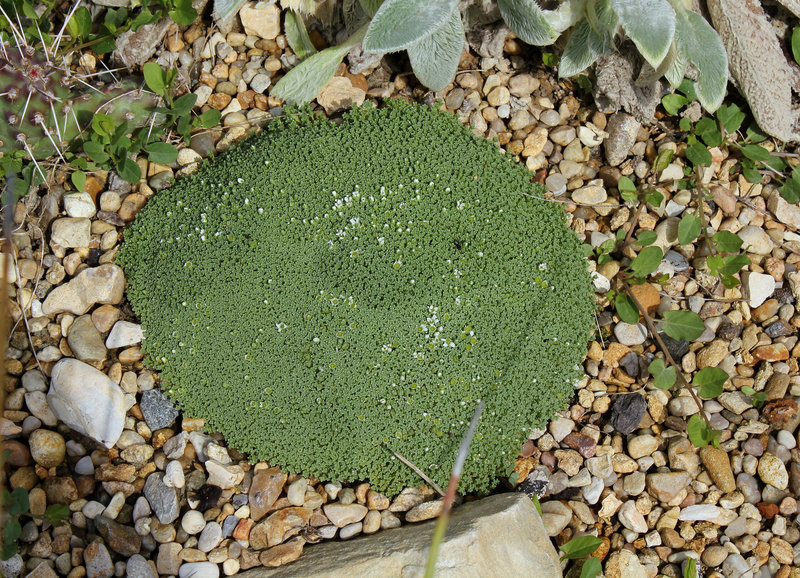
x: 377, y: 501
x: 361, y: 493
x: 282, y: 554
x: 425, y: 511
x: 372, y: 522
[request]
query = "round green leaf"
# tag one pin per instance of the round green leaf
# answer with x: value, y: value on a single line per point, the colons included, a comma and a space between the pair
x: 689, y: 228
x: 710, y: 381
x: 647, y: 261
x: 161, y: 153
x: 626, y: 309
x: 683, y: 325
x: 666, y: 378
x: 727, y: 242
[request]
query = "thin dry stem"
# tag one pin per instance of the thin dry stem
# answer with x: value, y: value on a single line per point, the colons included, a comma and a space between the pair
x: 420, y: 473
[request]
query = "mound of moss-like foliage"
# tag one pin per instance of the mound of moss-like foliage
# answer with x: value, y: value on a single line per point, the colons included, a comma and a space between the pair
x: 326, y: 294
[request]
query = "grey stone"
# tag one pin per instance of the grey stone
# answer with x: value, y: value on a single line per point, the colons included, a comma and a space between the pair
x: 498, y: 536
x: 163, y: 499
x: 158, y: 411
x: 622, y: 129
x: 139, y: 567
x: 136, y: 47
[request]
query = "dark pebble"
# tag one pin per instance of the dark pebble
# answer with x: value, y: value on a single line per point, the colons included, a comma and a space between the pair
x: 584, y: 444
x: 783, y: 295
x: 203, y: 144
x: 532, y: 488
x: 627, y: 411
x: 778, y: 329
x: 729, y: 331
x: 630, y: 363
x: 677, y: 349
x: 158, y: 411
x: 675, y: 423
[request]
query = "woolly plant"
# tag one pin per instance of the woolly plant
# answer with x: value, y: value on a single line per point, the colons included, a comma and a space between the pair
x: 326, y: 294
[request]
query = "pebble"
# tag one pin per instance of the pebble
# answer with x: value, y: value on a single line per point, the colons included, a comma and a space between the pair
x: 210, y: 537
x: 424, y: 511
x: 36, y: 402
x: 624, y: 564
x: 173, y: 475
x: 759, y: 288
x: 699, y: 512
x: 772, y: 471
x: 755, y: 240
x: 262, y: 20
x: 79, y: 205
x: 787, y: 213
x: 622, y: 129
x: 555, y: 517
x: 343, y: 514
x: 98, y: 560
x: 296, y: 492
x: 87, y: 401
x: 627, y: 412
x: 640, y: 446
x: 560, y: 428
x: 158, y: 411
x: 139, y: 567
x: 124, y: 334
x: 199, y: 570
x: 631, y: 518
x: 85, y: 340
x: 590, y: 195
x: 71, y: 232
x: 163, y: 500
x: 718, y: 465
x: 665, y: 487
x: 103, y: 284
x: 735, y: 401
x: 629, y: 334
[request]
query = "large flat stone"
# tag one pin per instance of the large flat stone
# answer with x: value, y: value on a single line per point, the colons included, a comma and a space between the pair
x: 498, y: 536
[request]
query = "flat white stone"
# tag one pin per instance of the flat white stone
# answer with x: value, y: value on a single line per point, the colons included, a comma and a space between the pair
x: 87, y: 401
x: 759, y: 287
x: 124, y: 334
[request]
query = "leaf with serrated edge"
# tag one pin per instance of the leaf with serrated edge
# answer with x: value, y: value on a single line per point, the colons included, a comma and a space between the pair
x: 434, y: 59
x: 303, y: 82
x: 700, y: 44
x: 398, y: 24
x: 650, y: 24
x: 528, y: 21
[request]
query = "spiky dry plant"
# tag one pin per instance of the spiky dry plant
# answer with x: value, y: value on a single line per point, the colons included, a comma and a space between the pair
x: 44, y: 105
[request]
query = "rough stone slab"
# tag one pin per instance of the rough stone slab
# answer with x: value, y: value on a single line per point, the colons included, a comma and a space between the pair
x: 498, y: 536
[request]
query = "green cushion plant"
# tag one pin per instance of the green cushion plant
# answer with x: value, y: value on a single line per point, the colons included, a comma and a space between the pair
x: 326, y: 294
